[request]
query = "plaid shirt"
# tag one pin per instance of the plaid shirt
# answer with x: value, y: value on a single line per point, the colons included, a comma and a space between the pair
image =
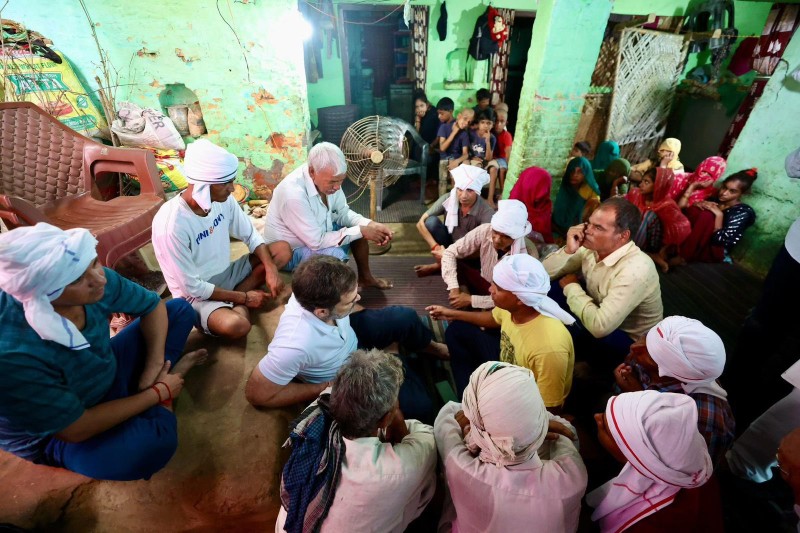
x: 714, y: 416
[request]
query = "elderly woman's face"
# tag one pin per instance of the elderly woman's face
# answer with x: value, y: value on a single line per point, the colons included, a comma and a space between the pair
x: 87, y: 289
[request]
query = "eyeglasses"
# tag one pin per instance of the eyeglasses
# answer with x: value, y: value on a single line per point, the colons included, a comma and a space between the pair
x: 778, y: 464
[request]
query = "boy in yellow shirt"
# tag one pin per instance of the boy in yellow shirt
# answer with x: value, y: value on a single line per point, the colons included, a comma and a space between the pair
x: 532, y: 331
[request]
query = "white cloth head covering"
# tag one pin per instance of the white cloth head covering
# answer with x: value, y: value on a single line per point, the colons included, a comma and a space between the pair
x: 36, y: 264
x: 685, y: 349
x: 526, y: 277
x: 512, y: 219
x: 657, y: 432
x: 508, y: 420
x: 207, y: 164
x: 465, y: 177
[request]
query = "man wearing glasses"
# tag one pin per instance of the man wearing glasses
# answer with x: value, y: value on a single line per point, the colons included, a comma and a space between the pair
x: 191, y: 238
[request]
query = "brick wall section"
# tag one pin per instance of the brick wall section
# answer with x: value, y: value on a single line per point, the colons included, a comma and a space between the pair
x: 566, y: 39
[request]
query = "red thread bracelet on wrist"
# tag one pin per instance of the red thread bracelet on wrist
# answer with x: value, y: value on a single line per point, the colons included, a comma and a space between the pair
x: 168, y: 401
x: 153, y: 386
x: 434, y: 247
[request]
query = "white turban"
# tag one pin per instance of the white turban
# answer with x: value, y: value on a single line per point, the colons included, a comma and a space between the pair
x: 207, y: 164
x: 657, y: 432
x: 508, y: 420
x: 512, y: 219
x: 36, y: 264
x: 525, y: 276
x: 465, y: 177
x: 685, y: 349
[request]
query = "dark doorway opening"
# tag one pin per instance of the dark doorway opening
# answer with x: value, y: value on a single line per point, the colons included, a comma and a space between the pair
x: 517, y: 60
x: 378, y: 69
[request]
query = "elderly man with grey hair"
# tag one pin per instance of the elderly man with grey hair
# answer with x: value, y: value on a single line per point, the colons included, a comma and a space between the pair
x: 356, y: 463
x: 309, y: 211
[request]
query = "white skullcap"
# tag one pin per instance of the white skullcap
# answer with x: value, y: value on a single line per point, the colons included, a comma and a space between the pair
x: 512, y: 219
x: 36, y: 264
x: 685, y: 349
x: 207, y: 164
x: 507, y: 416
x: 657, y: 433
x: 465, y: 177
x: 525, y: 276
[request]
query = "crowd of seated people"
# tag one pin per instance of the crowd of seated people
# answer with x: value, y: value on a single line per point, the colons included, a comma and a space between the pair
x: 535, y: 288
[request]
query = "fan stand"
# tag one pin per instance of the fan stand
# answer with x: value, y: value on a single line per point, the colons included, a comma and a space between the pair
x: 376, y: 157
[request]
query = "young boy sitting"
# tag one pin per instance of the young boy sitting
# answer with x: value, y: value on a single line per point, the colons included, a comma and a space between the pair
x: 482, y: 143
x: 498, y: 166
x: 453, y: 135
x: 483, y: 97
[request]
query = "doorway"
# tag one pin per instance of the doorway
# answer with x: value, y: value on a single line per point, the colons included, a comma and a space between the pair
x: 521, y: 34
x: 377, y: 60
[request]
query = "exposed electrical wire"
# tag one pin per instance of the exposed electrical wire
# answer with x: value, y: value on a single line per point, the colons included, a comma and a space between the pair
x: 333, y: 17
x: 244, y: 52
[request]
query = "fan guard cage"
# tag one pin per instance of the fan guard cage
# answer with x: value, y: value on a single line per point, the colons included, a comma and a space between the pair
x: 374, y: 144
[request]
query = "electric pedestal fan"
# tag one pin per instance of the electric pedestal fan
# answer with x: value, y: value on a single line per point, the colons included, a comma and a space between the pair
x: 376, y: 151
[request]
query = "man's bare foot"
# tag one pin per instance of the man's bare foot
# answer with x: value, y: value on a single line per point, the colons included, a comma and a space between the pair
x: 427, y: 270
x: 380, y: 283
x: 438, y: 350
x: 189, y: 360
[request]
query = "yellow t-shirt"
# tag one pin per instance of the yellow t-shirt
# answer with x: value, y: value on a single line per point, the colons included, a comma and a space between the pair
x: 542, y: 345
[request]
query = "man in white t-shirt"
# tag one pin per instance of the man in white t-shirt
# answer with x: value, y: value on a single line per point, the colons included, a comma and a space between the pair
x: 310, y: 212
x: 321, y: 327
x: 191, y: 239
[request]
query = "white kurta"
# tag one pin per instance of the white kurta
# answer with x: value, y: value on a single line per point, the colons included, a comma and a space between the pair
x: 383, y: 486
x: 536, y: 496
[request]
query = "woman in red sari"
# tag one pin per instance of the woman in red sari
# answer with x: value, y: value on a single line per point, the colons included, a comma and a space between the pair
x: 664, y: 226
x: 533, y: 189
x: 699, y: 185
x: 718, y: 224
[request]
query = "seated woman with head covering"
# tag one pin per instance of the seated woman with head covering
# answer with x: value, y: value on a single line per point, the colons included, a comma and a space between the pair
x: 578, y: 196
x: 682, y: 355
x: 699, y: 185
x: 356, y: 463
x: 718, y: 224
x: 70, y: 396
x: 606, y: 153
x: 665, y: 483
x: 667, y: 157
x: 613, y: 177
x: 509, y: 464
x: 664, y: 227
x: 533, y: 189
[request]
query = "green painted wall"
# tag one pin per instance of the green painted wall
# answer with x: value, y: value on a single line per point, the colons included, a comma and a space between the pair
x: 553, y: 96
x: 767, y: 138
x: 260, y: 115
x: 329, y: 89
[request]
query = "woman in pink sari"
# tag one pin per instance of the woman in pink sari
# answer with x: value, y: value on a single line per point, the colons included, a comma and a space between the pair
x: 699, y: 185
x: 664, y: 226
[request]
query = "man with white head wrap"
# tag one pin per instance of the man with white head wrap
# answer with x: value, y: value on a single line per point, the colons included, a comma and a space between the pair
x: 70, y: 396
x: 532, y: 330
x: 505, y: 235
x: 309, y: 211
x: 682, y: 355
x: 510, y: 465
x: 666, y: 483
x: 464, y: 209
x: 191, y: 239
